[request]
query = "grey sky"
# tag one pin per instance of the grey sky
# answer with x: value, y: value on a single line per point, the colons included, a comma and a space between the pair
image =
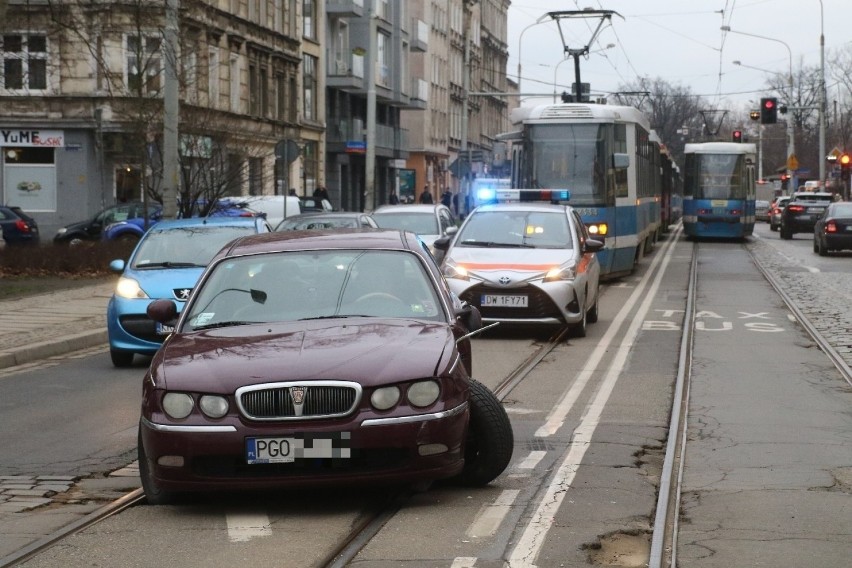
x: 679, y: 41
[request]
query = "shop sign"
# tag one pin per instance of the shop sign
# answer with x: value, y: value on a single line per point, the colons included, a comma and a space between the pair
x: 32, y: 138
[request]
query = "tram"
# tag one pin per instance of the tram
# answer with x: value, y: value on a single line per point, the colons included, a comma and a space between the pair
x: 606, y: 158
x: 719, y: 190
x: 671, y: 190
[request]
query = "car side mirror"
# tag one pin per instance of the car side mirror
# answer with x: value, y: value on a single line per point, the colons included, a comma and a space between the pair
x: 620, y: 161
x: 452, y: 230
x: 593, y: 245
x: 163, y: 311
x: 117, y: 265
x: 470, y: 316
x: 442, y: 243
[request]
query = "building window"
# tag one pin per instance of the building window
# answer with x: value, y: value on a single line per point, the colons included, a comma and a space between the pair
x: 144, y: 65
x: 235, y: 82
x: 293, y: 93
x: 309, y: 19
x: 292, y: 20
x: 255, y: 176
x: 310, y: 86
x: 24, y: 62
x: 213, y: 76
x: 383, y: 60
x: 280, y: 97
x: 310, y: 160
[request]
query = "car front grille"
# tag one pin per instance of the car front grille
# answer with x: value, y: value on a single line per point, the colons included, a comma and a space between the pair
x: 298, y: 400
x: 141, y: 327
x: 539, y: 304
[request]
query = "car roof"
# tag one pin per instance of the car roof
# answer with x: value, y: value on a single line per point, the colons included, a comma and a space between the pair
x: 322, y: 239
x: 821, y: 195
x: 196, y: 221
x: 410, y: 208
x: 528, y: 206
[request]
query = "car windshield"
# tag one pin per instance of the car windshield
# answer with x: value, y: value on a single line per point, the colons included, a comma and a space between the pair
x: 423, y: 223
x: 317, y: 223
x: 308, y: 285
x: 529, y: 229
x: 185, y: 246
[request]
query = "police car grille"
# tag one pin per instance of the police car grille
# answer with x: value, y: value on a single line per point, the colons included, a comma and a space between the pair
x: 539, y: 304
x: 319, y: 402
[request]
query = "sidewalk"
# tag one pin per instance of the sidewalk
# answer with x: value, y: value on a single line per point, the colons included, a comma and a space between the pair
x: 54, y: 323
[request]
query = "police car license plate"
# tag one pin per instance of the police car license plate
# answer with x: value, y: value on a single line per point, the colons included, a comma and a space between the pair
x: 286, y: 449
x: 504, y: 301
x: 163, y: 329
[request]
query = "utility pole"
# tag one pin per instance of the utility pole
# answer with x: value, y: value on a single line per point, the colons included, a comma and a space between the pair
x: 464, y: 154
x: 171, y: 112
x: 370, y: 165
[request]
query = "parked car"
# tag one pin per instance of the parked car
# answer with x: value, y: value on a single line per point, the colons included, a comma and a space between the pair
x: 775, y: 209
x: 833, y: 231
x: 801, y: 213
x: 165, y: 264
x: 318, y: 358
x: 761, y: 210
x: 309, y: 203
x: 91, y: 229
x: 16, y: 227
x: 131, y: 230
x: 428, y: 221
x: 525, y: 264
x: 327, y: 220
x: 275, y: 207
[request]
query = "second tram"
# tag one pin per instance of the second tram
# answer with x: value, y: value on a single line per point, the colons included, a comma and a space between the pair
x: 719, y: 190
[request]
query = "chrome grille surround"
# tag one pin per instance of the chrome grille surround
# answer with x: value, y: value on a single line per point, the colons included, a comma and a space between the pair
x: 321, y: 400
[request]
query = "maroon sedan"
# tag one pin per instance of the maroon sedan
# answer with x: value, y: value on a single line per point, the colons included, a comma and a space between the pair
x: 320, y: 357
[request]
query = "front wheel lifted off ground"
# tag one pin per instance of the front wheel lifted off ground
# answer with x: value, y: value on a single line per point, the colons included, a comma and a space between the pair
x: 490, y: 441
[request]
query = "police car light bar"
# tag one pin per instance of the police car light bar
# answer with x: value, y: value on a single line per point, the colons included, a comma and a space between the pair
x: 533, y: 195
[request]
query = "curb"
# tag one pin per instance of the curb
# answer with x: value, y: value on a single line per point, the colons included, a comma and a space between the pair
x: 44, y: 349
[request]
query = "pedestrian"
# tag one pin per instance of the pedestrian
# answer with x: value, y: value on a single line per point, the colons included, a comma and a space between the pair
x: 322, y: 193
x: 426, y: 196
x: 393, y: 199
x: 447, y: 198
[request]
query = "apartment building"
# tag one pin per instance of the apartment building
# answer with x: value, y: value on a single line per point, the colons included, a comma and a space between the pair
x: 81, y: 101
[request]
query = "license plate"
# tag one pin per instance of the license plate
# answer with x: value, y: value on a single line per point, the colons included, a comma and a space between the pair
x: 163, y: 329
x: 817, y: 209
x: 287, y: 449
x: 720, y: 211
x: 504, y: 301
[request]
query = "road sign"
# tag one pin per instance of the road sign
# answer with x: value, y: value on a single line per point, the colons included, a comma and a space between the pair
x: 792, y: 162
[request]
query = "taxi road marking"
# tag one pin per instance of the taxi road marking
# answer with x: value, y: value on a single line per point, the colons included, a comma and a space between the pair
x: 243, y: 527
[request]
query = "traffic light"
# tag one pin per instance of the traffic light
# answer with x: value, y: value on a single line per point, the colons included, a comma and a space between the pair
x: 768, y: 110
x: 754, y: 115
x: 845, y: 161
x: 737, y: 136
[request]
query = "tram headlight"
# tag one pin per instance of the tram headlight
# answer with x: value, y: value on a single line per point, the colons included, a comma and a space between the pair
x: 598, y: 229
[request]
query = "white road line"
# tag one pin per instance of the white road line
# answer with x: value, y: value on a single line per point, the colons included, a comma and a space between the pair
x: 244, y: 527
x: 489, y: 518
x: 535, y: 533
x: 464, y: 562
x: 531, y: 460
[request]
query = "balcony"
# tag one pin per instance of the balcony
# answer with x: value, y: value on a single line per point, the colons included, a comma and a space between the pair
x: 345, y: 72
x: 420, y: 36
x: 344, y: 8
x: 419, y: 94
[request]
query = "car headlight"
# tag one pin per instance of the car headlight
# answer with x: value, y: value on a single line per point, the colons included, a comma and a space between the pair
x: 560, y: 273
x: 423, y: 393
x: 384, y: 398
x: 129, y: 288
x: 213, y: 406
x: 453, y: 270
x: 177, y: 404
x: 62, y: 231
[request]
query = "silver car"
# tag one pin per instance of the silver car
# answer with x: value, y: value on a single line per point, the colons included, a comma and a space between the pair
x: 525, y: 264
x: 427, y: 221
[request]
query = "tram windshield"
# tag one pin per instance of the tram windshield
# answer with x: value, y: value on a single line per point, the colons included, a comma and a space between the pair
x: 715, y: 176
x: 567, y: 156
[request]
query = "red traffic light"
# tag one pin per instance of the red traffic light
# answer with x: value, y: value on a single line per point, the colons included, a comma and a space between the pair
x: 769, y: 104
x: 737, y: 136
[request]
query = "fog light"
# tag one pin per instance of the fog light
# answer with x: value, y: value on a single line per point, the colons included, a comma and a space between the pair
x: 432, y: 449
x: 170, y: 461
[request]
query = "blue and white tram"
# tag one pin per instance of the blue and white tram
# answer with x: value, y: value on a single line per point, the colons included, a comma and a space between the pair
x: 719, y: 190
x: 606, y: 158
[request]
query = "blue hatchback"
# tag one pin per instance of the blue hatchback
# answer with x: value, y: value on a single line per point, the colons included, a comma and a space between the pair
x: 165, y: 264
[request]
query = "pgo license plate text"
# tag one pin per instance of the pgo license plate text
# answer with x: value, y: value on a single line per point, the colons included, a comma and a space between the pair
x: 287, y: 449
x: 504, y: 301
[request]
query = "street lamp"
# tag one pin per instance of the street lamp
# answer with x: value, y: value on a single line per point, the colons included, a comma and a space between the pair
x: 791, y: 140
x: 822, y: 102
x: 540, y: 20
x: 556, y: 68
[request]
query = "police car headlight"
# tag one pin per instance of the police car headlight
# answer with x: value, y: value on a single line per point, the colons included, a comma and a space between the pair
x: 177, y: 404
x: 129, y: 288
x: 560, y: 273
x: 598, y: 229
x: 213, y: 406
x: 453, y: 270
x: 385, y: 398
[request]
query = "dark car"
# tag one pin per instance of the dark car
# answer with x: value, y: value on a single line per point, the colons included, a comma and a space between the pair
x: 315, y: 204
x: 833, y: 231
x: 16, y: 227
x: 90, y: 230
x: 801, y: 213
x: 327, y: 220
x: 310, y: 358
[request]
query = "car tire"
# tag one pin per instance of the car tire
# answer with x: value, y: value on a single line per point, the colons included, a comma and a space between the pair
x: 128, y: 238
x: 786, y: 234
x: 579, y: 329
x: 592, y: 315
x: 821, y: 250
x: 154, y: 494
x: 490, y: 441
x: 121, y: 359
x: 816, y: 246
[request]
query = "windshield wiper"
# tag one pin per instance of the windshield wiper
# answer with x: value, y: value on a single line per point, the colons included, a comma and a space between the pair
x: 223, y: 324
x: 338, y: 316
x: 169, y: 264
x: 492, y: 244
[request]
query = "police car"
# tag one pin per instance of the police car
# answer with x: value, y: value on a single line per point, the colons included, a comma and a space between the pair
x: 527, y: 260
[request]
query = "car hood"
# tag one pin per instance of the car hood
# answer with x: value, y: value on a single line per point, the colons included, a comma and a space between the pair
x: 482, y: 260
x: 371, y: 351
x: 78, y: 226
x: 166, y: 282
